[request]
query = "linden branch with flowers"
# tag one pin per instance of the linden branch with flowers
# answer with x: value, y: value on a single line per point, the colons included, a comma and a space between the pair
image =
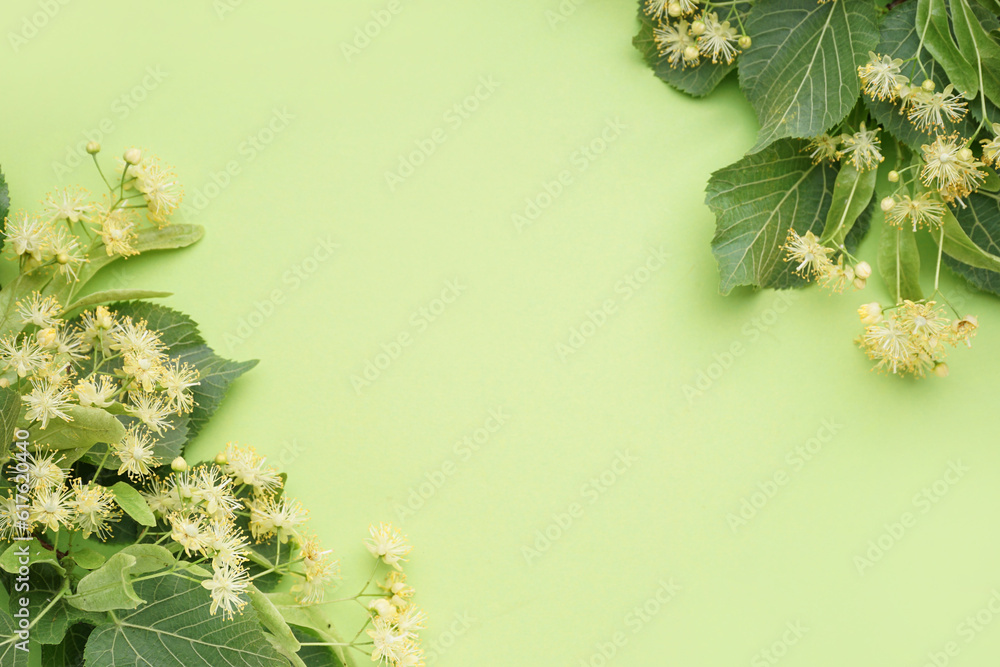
x: 114, y: 549
x: 871, y: 114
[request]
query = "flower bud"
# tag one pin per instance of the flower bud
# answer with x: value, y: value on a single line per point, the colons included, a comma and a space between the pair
x: 893, y: 176
x: 744, y: 42
x: 221, y: 458
x: 62, y: 258
x: 863, y: 270
x: 93, y: 147
x: 691, y: 53
x: 870, y: 313
x: 928, y: 85
x: 179, y: 464
x: 132, y: 156
x: 860, y: 283
x: 941, y: 370
x: 887, y: 203
x: 698, y: 28
x: 48, y: 338
x: 674, y: 9
x: 965, y: 154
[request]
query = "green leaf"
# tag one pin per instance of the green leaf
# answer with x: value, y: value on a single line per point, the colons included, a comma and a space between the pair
x: 89, y: 426
x: 932, y: 23
x: 45, y: 586
x: 113, y: 295
x: 801, y: 73
x: 69, y: 652
x: 215, y: 376
x: 132, y: 502
x: 167, y: 445
x: 316, y: 656
x: 958, y: 245
x: 756, y: 201
x: 110, y: 586
x: 87, y: 558
x: 899, y: 263
x: 175, y: 629
x: 852, y: 192
x: 10, y: 655
x: 980, y: 220
x: 10, y: 411
x: 978, y: 47
x: 167, y: 238
x: 272, y: 620
x: 900, y: 39
x: 695, y: 81
x: 175, y: 328
x: 28, y: 552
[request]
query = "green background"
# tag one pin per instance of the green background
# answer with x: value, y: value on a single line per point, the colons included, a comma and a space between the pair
x: 560, y: 75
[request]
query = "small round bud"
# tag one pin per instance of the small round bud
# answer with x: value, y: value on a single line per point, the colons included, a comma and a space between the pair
x: 893, y: 176
x: 221, y: 458
x: 941, y: 370
x: 93, y: 147
x: 863, y: 270
x: 674, y: 9
x: 698, y: 28
x: 48, y: 338
x: 691, y: 53
x: 887, y: 203
x: 179, y: 464
x: 870, y: 313
x: 965, y: 154
x: 744, y: 42
x: 928, y: 85
x: 62, y: 258
x: 860, y: 283
x: 133, y: 156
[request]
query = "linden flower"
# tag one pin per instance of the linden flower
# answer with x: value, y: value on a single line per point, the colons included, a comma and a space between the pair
x: 188, y: 530
x: 870, y: 313
x: 27, y: 234
x: 951, y: 168
x: 145, y: 369
x: 388, y: 544
x: 45, y: 401
x: 117, y: 231
x: 862, y: 148
x: 411, y: 621
x: 150, y: 409
x: 813, y: 257
x: 68, y: 253
x: 135, y: 451
x: 924, y: 210
x: 410, y: 655
x: 931, y: 110
x: 824, y: 147
x: 11, y: 525
x: 43, y: 473
x: 964, y: 329
x: 227, y: 584
x: 889, y: 343
x: 319, y: 574
x: 283, y: 518
x: 40, y: 311
x: 69, y: 204
x: 97, y: 391
x: 719, y: 39
x: 177, y: 380
x: 161, y: 497
x: 387, y: 641
x: 991, y: 147
x: 836, y: 276
x: 396, y: 588
x: 674, y: 41
x: 216, y: 491
x: 246, y: 467
x: 161, y: 190
x: 924, y: 321
x: 881, y: 77
x: 657, y: 8
x: 134, y: 338
x: 93, y: 508
x: 227, y: 545
x: 50, y: 508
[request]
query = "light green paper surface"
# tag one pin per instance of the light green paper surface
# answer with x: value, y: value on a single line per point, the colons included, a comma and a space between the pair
x: 779, y: 370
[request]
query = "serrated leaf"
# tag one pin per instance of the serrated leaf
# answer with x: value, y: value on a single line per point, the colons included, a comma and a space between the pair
x: 132, y: 502
x: 69, y: 652
x: 933, y: 26
x: 695, y: 81
x: 981, y: 222
x: 215, y: 376
x: 175, y: 629
x: 801, y: 73
x: 899, y: 263
x: 46, y: 585
x: 756, y: 201
x: 958, y: 245
x: 982, y: 52
x: 108, y: 587
x: 88, y: 426
x: 900, y: 39
x: 113, y: 295
x: 174, y: 327
x: 852, y: 192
